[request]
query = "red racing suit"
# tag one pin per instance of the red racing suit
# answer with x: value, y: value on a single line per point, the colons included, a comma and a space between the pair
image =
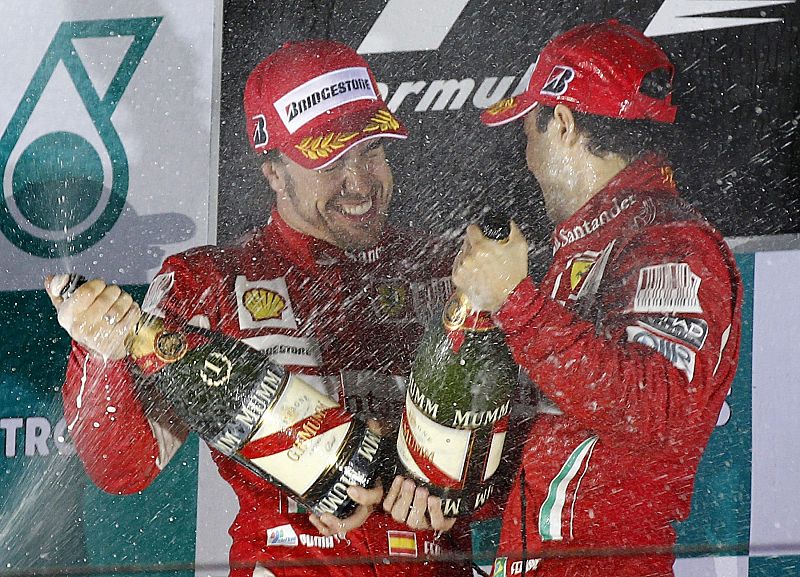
x: 346, y: 323
x: 633, y: 335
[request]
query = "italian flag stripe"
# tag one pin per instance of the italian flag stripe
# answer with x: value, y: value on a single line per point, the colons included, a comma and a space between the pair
x: 552, y: 510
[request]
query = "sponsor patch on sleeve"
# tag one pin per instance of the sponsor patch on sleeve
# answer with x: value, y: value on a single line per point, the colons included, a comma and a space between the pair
x: 678, y: 354
x: 402, y: 543
x: 689, y: 330
x: 669, y: 288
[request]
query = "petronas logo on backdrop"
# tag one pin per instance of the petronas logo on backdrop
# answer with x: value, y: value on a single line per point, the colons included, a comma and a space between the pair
x: 63, y: 191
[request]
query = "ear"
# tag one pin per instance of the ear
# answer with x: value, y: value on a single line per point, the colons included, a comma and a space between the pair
x: 275, y: 173
x: 565, y: 122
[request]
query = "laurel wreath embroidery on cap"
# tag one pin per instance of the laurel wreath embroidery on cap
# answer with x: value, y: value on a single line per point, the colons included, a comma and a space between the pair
x: 501, y: 106
x: 316, y: 147
x: 667, y: 174
x: 383, y: 120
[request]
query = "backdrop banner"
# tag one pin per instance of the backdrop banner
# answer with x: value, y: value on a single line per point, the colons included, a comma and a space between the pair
x: 106, y: 146
x: 113, y: 117
x: 737, y: 155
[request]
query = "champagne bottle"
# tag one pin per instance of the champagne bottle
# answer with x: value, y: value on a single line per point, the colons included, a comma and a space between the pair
x: 257, y: 413
x: 458, y: 402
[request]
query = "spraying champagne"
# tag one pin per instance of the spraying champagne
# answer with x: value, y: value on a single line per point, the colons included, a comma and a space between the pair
x: 257, y: 413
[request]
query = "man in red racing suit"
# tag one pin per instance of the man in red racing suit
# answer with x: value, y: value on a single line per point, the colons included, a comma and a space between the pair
x: 632, y: 336
x: 326, y: 289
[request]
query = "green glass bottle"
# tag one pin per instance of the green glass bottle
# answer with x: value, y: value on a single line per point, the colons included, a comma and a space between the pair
x: 458, y: 402
x: 257, y: 413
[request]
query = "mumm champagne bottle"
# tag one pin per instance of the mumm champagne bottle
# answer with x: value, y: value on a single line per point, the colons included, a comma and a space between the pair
x: 257, y: 413
x: 458, y: 402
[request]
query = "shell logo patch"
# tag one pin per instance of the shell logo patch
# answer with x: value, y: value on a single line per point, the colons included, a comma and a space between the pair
x: 263, y: 304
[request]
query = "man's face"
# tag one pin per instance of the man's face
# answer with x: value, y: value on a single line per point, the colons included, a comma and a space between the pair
x: 539, y: 157
x: 551, y: 165
x: 345, y: 203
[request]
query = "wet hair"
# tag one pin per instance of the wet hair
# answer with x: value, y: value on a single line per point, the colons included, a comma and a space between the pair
x: 626, y: 138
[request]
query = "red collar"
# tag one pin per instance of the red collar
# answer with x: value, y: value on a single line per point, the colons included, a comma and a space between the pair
x: 312, y: 254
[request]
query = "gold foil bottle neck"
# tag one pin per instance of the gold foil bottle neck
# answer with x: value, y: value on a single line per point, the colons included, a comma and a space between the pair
x: 456, y: 311
x: 141, y: 341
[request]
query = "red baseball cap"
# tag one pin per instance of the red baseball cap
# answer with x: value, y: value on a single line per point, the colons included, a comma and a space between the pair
x: 314, y: 101
x: 593, y: 68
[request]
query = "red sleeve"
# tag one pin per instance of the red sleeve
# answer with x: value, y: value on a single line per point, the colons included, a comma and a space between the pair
x: 659, y: 360
x: 108, y: 414
x: 183, y: 289
x: 108, y: 424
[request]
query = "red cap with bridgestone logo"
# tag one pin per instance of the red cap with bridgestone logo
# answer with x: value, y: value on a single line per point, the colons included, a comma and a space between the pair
x: 593, y: 69
x: 314, y: 101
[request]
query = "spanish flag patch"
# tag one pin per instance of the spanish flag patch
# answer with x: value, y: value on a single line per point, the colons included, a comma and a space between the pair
x: 403, y: 543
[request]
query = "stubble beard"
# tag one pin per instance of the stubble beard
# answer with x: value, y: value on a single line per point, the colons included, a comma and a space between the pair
x: 343, y: 236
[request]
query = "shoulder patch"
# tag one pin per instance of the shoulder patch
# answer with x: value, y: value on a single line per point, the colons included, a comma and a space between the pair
x: 668, y: 288
x: 582, y: 276
x: 264, y: 304
x: 681, y: 356
x: 691, y: 331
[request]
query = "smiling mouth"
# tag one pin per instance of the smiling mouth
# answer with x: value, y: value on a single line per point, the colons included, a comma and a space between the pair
x: 357, y: 210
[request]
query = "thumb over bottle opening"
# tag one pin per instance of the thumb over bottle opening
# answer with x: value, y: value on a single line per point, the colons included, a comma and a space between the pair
x: 74, y: 281
x: 495, y: 225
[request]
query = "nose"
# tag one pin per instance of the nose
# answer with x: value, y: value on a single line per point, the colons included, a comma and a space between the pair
x: 359, y: 178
